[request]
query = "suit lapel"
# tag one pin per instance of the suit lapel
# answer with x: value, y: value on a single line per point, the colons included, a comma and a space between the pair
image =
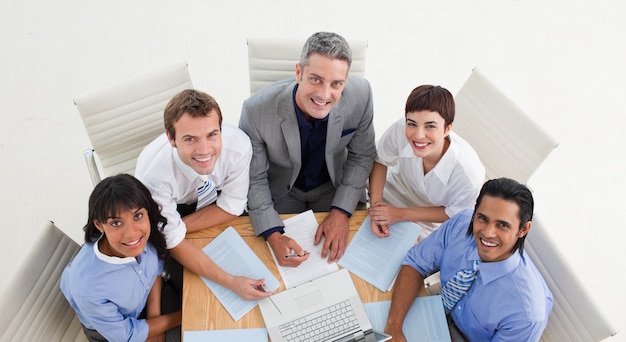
x: 290, y: 129
x: 333, y: 136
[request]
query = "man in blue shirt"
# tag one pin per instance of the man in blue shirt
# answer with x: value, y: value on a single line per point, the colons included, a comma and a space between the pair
x: 508, y: 300
x: 313, y: 148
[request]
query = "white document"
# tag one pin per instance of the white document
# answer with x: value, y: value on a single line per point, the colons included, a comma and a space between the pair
x: 302, y: 228
x: 425, y: 321
x: 378, y: 260
x: 234, y: 256
x: 248, y: 335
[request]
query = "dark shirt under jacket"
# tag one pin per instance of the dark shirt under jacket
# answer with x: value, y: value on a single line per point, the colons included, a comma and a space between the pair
x: 314, y: 171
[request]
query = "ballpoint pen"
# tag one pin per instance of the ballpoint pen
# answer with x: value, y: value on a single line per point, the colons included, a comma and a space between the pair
x: 293, y: 255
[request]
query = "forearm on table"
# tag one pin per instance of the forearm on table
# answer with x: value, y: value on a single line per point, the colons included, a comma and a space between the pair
x: 406, y: 288
x: 424, y: 214
x: 208, y: 216
x: 194, y: 259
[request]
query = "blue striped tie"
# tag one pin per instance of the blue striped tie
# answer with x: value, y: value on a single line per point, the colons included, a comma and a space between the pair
x: 457, y: 286
x: 207, y: 193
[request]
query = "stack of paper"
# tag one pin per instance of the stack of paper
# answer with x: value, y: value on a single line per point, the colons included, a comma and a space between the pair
x: 377, y: 260
x: 234, y: 256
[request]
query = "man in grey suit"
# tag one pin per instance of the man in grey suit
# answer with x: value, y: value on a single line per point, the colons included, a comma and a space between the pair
x: 313, y: 148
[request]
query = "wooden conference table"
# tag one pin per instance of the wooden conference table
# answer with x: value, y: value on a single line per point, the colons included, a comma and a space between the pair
x: 202, y: 310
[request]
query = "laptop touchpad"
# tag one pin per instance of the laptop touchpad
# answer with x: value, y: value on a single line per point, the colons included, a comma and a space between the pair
x: 307, y: 298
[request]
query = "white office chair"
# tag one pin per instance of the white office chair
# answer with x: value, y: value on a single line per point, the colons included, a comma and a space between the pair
x: 574, y: 317
x: 273, y: 59
x: 33, y: 307
x: 509, y: 143
x: 123, y: 118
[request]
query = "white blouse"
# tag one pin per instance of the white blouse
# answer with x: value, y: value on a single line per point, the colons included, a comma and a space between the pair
x: 454, y: 183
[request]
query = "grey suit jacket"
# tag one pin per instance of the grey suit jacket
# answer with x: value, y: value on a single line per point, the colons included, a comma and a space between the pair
x: 269, y: 119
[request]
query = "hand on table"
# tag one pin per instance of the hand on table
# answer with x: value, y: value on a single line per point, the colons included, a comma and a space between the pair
x: 249, y: 289
x: 396, y: 336
x: 382, y: 215
x: 334, y: 229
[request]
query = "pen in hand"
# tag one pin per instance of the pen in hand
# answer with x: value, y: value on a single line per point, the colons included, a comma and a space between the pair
x: 293, y: 255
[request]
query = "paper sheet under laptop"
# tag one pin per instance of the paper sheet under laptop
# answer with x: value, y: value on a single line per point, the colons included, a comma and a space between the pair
x: 234, y: 256
x: 425, y: 321
x: 377, y: 260
x: 302, y: 228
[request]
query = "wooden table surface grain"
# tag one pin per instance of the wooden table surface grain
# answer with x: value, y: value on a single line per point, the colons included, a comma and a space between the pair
x: 202, y: 310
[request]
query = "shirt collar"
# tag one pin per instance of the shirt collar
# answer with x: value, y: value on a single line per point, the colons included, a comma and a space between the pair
x: 186, y: 170
x: 490, y: 271
x: 445, y: 166
x: 112, y: 259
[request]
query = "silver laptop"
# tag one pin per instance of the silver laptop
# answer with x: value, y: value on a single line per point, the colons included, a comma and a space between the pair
x: 325, y: 309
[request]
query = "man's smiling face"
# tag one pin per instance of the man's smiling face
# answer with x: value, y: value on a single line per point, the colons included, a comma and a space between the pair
x: 320, y: 84
x: 198, y: 141
x: 497, y: 228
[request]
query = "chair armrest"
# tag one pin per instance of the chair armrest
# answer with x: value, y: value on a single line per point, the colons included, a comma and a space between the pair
x: 92, y: 167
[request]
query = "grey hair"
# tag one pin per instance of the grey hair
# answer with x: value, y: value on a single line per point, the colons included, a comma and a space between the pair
x: 327, y: 44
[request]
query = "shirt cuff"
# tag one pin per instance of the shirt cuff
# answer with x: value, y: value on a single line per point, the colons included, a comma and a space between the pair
x: 270, y: 231
x: 343, y: 211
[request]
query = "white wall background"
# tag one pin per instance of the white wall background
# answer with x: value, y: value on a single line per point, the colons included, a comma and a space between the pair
x: 561, y: 61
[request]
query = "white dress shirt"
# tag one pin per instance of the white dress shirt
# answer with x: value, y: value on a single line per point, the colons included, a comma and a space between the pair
x: 172, y: 182
x: 454, y: 183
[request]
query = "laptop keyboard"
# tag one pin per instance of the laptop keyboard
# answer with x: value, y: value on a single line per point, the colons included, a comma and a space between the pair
x: 322, y: 325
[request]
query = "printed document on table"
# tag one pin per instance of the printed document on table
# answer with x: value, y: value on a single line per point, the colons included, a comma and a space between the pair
x: 234, y: 256
x: 378, y: 260
x: 248, y: 335
x: 302, y: 228
x: 425, y: 321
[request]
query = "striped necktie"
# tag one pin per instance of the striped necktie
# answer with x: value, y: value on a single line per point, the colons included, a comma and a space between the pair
x: 207, y: 193
x: 457, y: 286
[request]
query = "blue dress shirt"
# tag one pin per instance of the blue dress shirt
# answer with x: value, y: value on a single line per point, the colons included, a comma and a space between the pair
x: 109, y: 293
x: 509, y: 301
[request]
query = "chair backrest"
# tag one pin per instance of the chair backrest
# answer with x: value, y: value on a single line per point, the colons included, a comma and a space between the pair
x: 509, y: 143
x: 123, y: 118
x: 574, y: 317
x: 273, y: 59
x: 33, y: 307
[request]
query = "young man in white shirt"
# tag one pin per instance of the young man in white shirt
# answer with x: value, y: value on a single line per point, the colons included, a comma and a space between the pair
x: 197, y: 154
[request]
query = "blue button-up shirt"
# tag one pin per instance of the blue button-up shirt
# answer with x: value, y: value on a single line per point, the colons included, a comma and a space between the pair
x: 509, y: 301
x: 109, y: 293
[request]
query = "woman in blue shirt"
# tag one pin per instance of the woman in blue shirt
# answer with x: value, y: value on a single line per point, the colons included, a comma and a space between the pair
x: 114, y: 282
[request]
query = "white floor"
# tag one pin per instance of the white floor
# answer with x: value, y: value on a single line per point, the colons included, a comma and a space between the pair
x: 561, y: 61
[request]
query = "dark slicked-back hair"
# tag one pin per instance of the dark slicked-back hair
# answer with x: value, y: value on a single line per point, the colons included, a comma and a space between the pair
x: 431, y: 98
x: 508, y: 190
x: 120, y: 193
